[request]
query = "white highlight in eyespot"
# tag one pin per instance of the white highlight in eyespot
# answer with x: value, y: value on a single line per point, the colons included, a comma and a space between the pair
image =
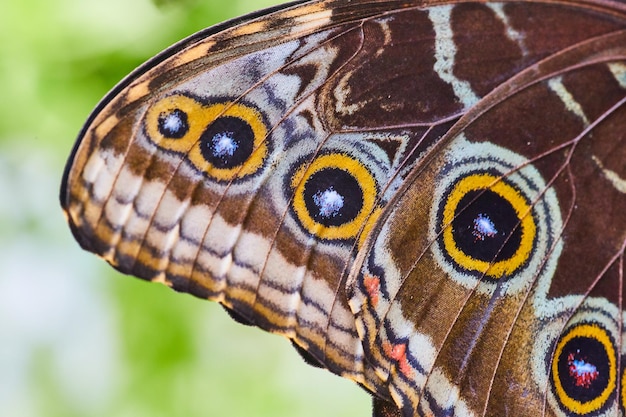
x: 585, y: 372
x: 224, y: 144
x: 445, y: 51
x: 329, y: 202
x: 483, y: 227
x: 172, y: 123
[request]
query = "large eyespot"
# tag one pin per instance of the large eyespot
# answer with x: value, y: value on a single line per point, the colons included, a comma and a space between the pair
x: 488, y: 225
x: 224, y: 140
x: 575, y: 354
x: 493, y: 219
x: 584, y: 369
x: 333, y: 196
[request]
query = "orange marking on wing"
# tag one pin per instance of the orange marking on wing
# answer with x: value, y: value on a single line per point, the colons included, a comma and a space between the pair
x: 398, y: 353
x: 372, y: 286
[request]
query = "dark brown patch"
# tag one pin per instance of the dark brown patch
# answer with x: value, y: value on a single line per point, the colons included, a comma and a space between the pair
x: 388, y: 88
x: 485, y: 56
x: 549, y: 28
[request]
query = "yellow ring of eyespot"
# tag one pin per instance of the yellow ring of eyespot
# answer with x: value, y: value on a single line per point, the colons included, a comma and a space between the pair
x: 593, y: 332
x: 167, y: 105
x: 623, y: 390
x: 199, y: 117
x: 522, y: 209
x: 355, y: 169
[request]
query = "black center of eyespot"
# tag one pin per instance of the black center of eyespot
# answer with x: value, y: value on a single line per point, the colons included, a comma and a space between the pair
x: 583, y: 368
x: 228, y: 142
x: 173, y: 124
x: 333, y: 197
x: 486, y: 226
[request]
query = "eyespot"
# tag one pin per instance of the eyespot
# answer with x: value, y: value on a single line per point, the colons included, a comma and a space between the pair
x: 173, y: 123
x: 493, y: 219
x: 333, y: 196
x: 227, y: 142
x: 224, y: 140
x: 488, y: 226
x: 584, y: 370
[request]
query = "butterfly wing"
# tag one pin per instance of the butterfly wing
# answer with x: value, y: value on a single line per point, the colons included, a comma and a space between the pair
x: 494, y: 282
x: 192, y: 173
x: 248, y: 165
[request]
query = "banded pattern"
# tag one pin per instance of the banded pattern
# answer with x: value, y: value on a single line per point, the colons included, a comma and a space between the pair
x: 426, y: 197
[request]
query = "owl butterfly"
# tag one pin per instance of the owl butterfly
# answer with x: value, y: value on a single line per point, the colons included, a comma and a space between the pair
x: 426, y: 197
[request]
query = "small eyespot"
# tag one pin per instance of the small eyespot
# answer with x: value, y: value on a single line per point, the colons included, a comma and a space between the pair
x: 584, y: 370
x: 173, y: 124
x: 333, y: 196
x: 227, y: 141
x: 487, y: 226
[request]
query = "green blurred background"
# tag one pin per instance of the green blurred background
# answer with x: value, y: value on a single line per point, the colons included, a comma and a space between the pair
x: 76, y: 338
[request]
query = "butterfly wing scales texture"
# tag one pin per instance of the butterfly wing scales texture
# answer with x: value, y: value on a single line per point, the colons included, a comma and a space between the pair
x: 149, y: 214
x: 477, y: 348
x: 349, y: 144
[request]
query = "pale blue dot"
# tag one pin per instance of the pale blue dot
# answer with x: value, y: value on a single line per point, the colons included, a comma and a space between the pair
x: 329, y: 202
x: 224, y: 145
x: 581, y: 367
x: 484, y: 227
x: 172, y: 123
